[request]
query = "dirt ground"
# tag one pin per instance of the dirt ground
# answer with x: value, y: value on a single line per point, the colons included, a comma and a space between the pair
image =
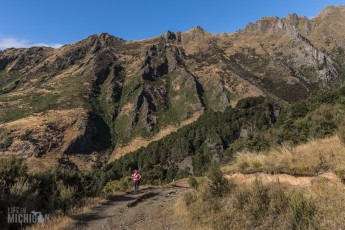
x: 151, y: 208
x: 154, y: 207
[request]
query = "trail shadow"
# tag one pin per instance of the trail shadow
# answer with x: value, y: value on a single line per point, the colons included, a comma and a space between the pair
x: 94, y: 214
x: 141, y: 199
x: 148, y: 188
x: 114, y: 198
x: 142, y: 190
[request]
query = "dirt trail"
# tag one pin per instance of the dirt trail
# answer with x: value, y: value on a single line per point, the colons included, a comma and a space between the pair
x: 152, y: 208
x: 302, y: 181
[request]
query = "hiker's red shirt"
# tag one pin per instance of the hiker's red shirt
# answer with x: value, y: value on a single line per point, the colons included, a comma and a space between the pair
x: 136, y: 176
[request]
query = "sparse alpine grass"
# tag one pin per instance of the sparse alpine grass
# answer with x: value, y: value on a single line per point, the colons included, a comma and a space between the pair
x: 315, y: 157
x: 264, y: 206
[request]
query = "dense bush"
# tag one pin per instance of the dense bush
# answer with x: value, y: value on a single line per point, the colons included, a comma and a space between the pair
x: 219, y: 186
x: 57, y: 189
x: 11, y: 170
x: 203, y: 142
x: 316, y: 117
x: 117, y: 185
x: 193, y: 183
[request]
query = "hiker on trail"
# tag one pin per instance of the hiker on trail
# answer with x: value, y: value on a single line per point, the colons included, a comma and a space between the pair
x: 135, y: 181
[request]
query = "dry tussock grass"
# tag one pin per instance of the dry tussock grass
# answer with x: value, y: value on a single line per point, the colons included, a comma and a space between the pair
x: 184, y: 204
x: 266, y: 206
x: 273, y: 204
x: 329, y: 200
x: 61, y: 221
x: 56, y: 222
x: 312, y: 158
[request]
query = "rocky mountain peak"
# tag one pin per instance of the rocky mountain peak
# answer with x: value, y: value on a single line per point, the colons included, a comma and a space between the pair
x: 291, y: 19
x: 107, y: 39
x: 263, y: 25
x: 197, y: 40
x: 331, y: 10
x: 292, y: 24
x: 170, y: 36
x: 197, y: 30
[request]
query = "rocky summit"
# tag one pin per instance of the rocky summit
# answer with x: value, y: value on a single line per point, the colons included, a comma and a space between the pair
x: 85, y: 101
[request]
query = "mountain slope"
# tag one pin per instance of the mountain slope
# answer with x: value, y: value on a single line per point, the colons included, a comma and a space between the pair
x: 102, y: 92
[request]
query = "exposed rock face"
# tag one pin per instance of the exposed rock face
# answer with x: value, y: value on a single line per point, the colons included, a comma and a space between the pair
x: 44, y: 132
x: 129, y: 89
x: 78, y: 138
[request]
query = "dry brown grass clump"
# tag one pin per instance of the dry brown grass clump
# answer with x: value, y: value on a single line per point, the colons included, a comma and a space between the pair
x: 261, y: 203
x: 312, y: 158
x: 271, y: 206
x: 59, y: 220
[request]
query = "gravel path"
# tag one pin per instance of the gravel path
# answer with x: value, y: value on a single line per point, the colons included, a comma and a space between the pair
x: 152, y: 208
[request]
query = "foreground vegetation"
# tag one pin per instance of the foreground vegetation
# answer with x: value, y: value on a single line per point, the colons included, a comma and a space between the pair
x: 309, y: 159
x: 257, y: 205
x: 57, y: 190
x: 255, y: 124
x: 217, y: 203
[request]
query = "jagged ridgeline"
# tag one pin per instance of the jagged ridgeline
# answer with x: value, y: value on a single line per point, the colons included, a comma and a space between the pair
x: 104, y: 92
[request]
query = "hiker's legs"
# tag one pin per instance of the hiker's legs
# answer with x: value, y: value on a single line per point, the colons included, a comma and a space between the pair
x: 136, y: 186
x: 133, y: 183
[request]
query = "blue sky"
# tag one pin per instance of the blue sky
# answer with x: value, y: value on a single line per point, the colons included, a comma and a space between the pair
x: 25, y: 23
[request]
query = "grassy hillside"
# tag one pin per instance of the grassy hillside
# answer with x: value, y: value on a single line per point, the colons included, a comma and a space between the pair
x: 247, y: 199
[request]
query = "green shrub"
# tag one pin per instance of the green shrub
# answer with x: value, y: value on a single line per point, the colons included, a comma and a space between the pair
x: 303, y: 212
x: 117, y: 185
x: 341, y: 132
x: 11, y: 169
x: 256, y: 164
x: 6, y: 138
x: 258, y: 201
x: 249, y: 102
x: 189, y: 198
x: 219, y: 185
x: 67, y: 196
x: 279, y: 200
x: 193, y: 183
